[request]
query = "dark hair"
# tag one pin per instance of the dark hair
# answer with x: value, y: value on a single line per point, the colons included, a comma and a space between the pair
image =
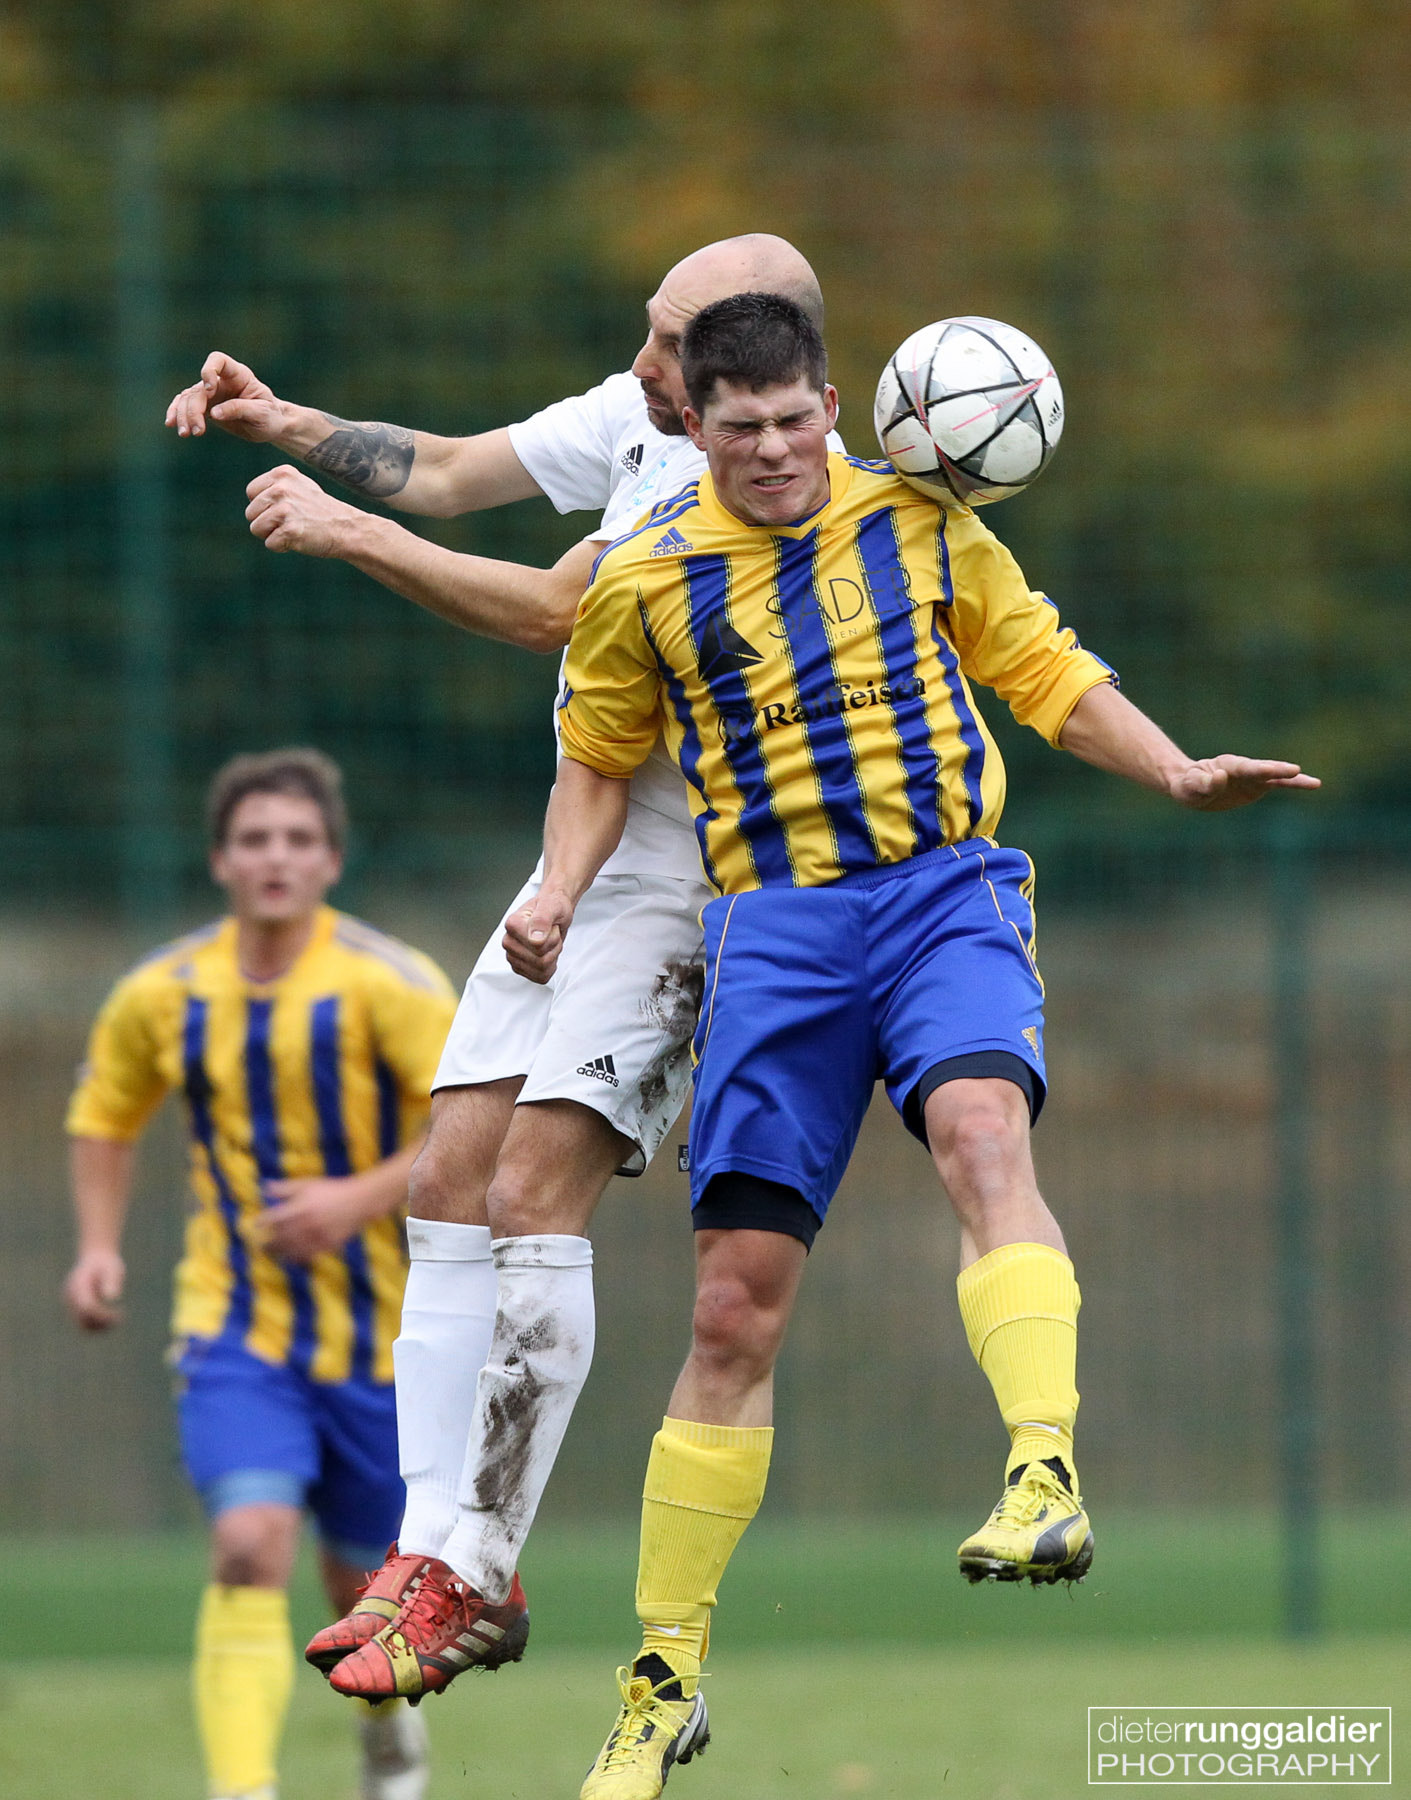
x: 754, y: 341
x: 309, y: 774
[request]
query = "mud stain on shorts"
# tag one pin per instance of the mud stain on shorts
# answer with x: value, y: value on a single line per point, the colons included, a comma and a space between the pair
x: 672, y: 1006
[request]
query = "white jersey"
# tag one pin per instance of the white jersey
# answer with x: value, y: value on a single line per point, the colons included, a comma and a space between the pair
x: 600, y: 449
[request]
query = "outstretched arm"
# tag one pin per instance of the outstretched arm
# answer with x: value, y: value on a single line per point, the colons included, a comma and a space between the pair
x: 1106, y: 730
x: 414, y: 471
x: 532, y: 608
x: 586, y: 814
x: 100, y: 1177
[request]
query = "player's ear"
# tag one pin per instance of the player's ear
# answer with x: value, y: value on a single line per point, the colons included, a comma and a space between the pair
x: 830, y: 405
x: 691, y: 419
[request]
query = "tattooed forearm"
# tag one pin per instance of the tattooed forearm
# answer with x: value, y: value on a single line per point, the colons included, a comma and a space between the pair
x: 375, y: 459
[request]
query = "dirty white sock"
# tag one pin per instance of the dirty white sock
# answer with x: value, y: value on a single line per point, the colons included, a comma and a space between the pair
x: 538, y: 1362
x: 448, y: 1317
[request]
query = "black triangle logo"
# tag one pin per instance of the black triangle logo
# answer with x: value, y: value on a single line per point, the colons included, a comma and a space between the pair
x: 723, y: 651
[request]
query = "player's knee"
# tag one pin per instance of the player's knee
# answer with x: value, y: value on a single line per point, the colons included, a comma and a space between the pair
x: 520, y: 1206
x: 442, y: 1187
x: 978, y: 1138
x: 251, y: 1547
x: 737, y: 1325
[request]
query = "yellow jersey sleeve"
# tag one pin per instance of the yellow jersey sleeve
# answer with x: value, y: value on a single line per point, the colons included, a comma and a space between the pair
x: 1009, y: 638
x: 410, y: 1020
x: 121, y: 1084
x: 609, y: 717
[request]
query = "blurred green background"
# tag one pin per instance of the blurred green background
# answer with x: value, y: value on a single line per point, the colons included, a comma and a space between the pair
x: 449, y: 214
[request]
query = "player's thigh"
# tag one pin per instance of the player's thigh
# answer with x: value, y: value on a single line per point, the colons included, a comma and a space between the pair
x: 500, y: 1019
x: 451, y: 1175
x: 250, y: 1445
x: 556, y: 1159
x: 358, y: 1496
x: 950, y: 951
x: 786, y: 1049
x: 624, y: 1005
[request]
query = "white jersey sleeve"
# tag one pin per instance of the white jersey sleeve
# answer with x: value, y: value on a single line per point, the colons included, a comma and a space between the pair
x: 571, y: 448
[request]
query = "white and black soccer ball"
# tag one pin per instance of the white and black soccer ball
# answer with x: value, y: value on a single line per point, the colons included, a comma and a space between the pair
x: 970, y: 410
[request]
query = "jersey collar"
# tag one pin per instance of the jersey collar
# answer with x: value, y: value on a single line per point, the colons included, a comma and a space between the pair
x: 325, y: 924
x: 721, y: 519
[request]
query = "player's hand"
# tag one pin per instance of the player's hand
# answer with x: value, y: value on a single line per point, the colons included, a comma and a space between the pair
x: 309, y: 1217
x: 1220, y: 783
x: 288, y: 511
x: 233, y: 397
x: 534, y: 935
x: 94, y: 1288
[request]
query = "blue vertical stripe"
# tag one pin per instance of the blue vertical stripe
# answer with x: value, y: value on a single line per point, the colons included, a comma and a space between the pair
x: 333, y: 1146
x: 690, y: 751
x: 196, y: 1084
x: 879, y: 549
x: 821, y: 701
x: 389, y: 1110
x: 969, y: 730
x: 264, y: 1127
x: 707, y: 584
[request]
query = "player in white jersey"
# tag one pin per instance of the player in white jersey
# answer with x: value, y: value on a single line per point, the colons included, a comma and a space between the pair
x: 542, y: 1094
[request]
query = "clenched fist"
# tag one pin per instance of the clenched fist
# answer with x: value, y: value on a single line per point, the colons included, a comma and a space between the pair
x: 288, y: 511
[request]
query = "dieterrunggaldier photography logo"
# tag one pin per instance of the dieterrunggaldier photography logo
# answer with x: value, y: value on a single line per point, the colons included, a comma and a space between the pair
x: 1239, y: 1746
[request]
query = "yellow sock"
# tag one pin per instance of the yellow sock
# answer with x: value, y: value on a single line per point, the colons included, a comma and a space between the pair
x: 1020, y: 1307
x: 704, y: 1485
x: 243, y: 1676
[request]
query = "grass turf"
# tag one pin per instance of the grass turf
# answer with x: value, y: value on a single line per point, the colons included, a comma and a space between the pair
x: 981, y: 1722
x: 790, y: 1584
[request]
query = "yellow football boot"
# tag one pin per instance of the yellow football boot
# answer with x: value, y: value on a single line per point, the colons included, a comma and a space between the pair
x: 1039, y: 1530
x: 655, y: 1730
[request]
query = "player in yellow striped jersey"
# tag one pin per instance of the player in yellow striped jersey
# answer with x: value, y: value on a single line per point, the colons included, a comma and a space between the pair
x: 806, y: 628
x: 303, y: 1043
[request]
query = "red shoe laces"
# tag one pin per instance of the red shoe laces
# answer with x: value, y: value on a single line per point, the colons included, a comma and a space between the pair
x: 434, y: 1604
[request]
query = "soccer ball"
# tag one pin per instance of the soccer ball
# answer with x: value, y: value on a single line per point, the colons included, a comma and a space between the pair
x: 969, y: 410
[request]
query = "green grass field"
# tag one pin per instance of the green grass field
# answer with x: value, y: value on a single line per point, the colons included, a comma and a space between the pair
x: 848, y: 1661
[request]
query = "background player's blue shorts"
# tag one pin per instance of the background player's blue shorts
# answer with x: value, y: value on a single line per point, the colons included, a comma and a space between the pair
x: 252, y: 1432
x: 814, y: 994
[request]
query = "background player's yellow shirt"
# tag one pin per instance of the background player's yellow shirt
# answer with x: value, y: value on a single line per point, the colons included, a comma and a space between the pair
x: 325, y: 1071
x: 812, y: 680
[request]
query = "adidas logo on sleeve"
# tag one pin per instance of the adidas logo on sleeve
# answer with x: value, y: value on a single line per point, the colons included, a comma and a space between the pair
x: 601, y: 1068
x: 670, y: 543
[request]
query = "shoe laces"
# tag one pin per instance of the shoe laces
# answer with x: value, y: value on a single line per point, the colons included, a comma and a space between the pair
x: 434, y: 1603
x: 643, y: 1706
x: 1036, y: 1489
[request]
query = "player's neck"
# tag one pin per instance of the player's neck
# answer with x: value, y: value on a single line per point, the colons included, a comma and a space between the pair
x: 267, y: 949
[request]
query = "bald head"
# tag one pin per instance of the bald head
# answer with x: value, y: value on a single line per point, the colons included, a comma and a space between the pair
x: 755, y: 263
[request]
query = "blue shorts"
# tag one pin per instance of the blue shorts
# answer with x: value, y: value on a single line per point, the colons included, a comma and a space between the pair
x: 814, y: 994
x: 253, y: 1432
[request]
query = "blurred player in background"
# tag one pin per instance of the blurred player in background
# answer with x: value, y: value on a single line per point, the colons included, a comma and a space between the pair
x: 808, y: 625
x: 303, y: 1043
x: 542, y: 1094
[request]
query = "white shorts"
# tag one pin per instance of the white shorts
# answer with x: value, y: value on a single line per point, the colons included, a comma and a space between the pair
x: 613, y: 1028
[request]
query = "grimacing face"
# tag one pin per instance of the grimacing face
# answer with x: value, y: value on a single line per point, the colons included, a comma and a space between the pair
x: 768, y: 452
x: 276, y: 863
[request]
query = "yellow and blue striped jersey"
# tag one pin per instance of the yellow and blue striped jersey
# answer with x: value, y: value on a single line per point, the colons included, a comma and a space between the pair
x: 325, y: 1071
x: 813, y: 680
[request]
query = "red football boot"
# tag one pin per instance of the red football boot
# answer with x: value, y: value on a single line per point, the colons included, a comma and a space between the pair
x: 380, y: 1599
x: 445, y: 1628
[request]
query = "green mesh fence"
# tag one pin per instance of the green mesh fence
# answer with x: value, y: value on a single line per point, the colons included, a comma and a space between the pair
x: 1227, y: 523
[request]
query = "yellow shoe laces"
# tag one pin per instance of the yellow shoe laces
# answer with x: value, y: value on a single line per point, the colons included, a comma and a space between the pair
x: 1035, y: 1489
x: 643, y: 1706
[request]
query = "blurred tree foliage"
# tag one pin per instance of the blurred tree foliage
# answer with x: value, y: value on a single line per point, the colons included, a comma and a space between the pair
x: 447, y: 212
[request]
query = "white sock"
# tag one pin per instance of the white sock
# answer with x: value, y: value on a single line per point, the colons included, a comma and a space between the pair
x: 538, y: 1362
x: 448, y: 1318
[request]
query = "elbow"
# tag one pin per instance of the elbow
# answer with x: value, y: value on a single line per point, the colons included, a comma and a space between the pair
x: 548, y: 631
